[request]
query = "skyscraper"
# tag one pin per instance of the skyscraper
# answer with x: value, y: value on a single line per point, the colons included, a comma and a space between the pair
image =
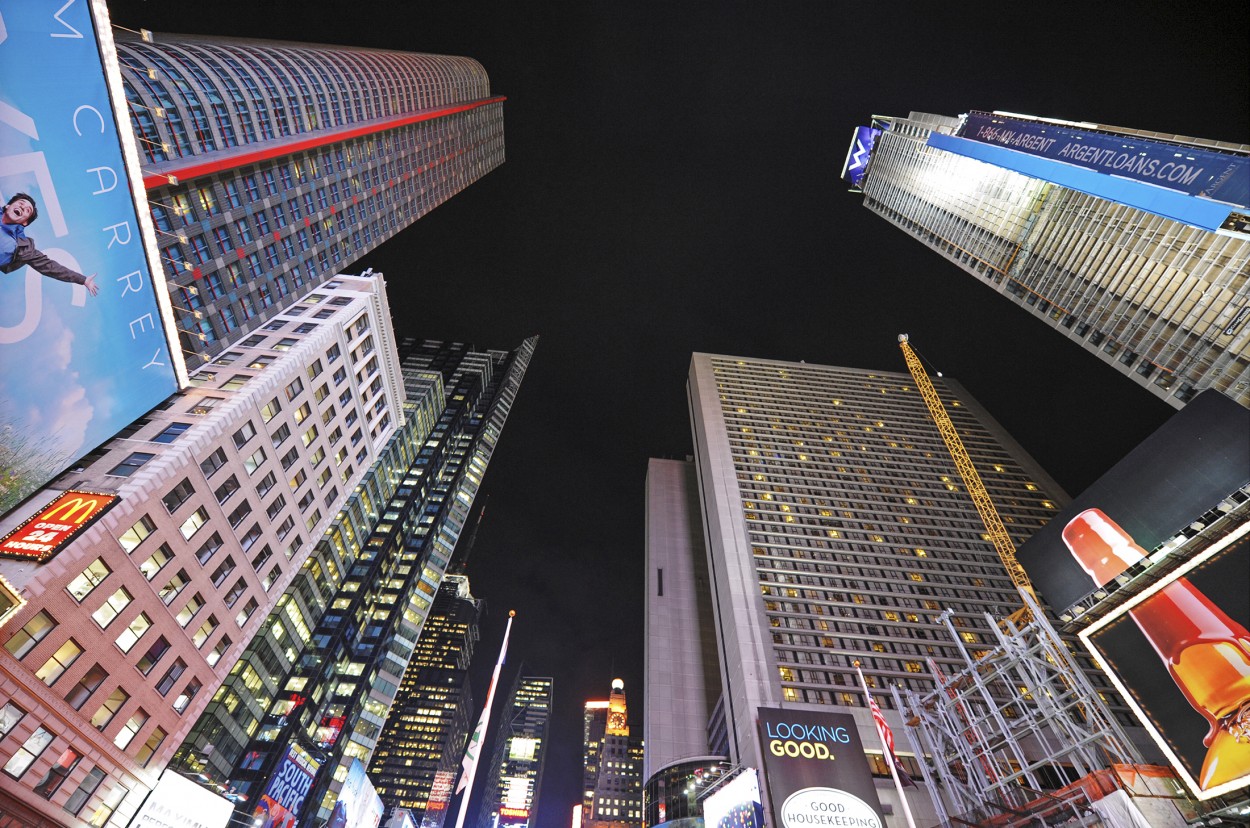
x: 270, y: 166
x: 330, y: 697
x: 837, y: 530
x: 220, y: 495
x: 1133, y: 244
x: 419, y: 751
x: 510, y: 797
x: 612, y: 765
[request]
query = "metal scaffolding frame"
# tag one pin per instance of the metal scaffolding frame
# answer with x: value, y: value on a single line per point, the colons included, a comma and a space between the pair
x: 1011, y: 724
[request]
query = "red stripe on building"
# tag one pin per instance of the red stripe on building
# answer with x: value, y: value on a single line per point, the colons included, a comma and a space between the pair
x: 198, y: 170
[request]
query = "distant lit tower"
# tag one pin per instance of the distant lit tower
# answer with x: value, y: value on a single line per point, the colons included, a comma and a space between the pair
x: 414, y: 765
x: 1133, y: 244
x: 612, y: 765
x: 270, y: 166
x: 516, y: 770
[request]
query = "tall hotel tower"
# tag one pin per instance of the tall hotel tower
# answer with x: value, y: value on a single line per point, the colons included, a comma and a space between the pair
x: 270, y: 166
x: 837, y: 529
x: 418, y: 755
x: 1136, y: 245
x: 510, y: 797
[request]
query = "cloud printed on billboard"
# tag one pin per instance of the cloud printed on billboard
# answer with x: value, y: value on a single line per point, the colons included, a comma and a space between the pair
x: 1194, y: 461
x: 83, y: 351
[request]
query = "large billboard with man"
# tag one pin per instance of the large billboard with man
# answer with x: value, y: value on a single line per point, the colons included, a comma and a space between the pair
x: 84, y: 349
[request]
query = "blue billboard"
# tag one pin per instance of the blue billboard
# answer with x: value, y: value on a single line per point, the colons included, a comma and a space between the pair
x: 83, y: 343
x: 1196, y: 172
x: 860, y: 153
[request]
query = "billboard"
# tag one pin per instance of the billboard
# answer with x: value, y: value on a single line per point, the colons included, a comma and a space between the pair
x: 736, y: 804
x: 50, y: 530
x: 1194, y: 461
x: 177, y: 802
x: 1180, y: 656
x: 1197, y: 172
x: 859, y: 155
x: 83, y: 314
x: 816, y: 770
x: 283, y: 800
x: 358, y: 805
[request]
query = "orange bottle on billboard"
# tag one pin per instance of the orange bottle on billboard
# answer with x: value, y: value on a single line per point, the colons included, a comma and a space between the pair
x: 1206, y: 652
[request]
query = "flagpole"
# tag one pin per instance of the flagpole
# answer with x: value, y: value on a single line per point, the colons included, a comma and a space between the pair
x: 469, y: 763
x: 890, y: 757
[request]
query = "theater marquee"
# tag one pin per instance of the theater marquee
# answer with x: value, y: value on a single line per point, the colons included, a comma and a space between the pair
x: 51, y: 529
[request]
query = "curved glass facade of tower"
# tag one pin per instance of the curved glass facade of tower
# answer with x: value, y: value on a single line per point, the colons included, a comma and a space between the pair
x: 270, y: 166
x: 673, y: 794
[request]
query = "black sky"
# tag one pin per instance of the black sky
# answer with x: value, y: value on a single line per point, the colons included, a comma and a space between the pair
x: 671, y: 186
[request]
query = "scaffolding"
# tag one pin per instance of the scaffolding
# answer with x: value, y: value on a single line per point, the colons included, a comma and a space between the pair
x: 1018, y: 720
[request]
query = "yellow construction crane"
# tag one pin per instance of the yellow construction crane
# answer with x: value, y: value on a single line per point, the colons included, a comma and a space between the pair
x: 972, y: 481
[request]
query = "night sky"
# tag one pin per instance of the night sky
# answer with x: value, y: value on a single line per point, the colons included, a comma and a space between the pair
x: 671, y: 185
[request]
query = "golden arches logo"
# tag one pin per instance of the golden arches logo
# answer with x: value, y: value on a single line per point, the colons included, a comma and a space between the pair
x: 76, y: 510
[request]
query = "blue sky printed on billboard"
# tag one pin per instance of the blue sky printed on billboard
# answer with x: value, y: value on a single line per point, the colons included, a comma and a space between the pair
x: 74, y: 367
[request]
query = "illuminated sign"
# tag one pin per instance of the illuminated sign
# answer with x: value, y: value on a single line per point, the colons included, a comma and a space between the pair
x: 1208, y: 174
x: 177, y: 802
x: 736, y: 804
x: 283, y: 800
x: 1188, y: 466
x: 860, y: 154
x: 84, y: 349
x: 816, y: 770
x: 40, y: 537
x: 517, y: 813
x: 1179, y: 654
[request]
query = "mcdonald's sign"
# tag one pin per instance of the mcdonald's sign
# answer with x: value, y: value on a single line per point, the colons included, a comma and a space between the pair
x: 48, y: 531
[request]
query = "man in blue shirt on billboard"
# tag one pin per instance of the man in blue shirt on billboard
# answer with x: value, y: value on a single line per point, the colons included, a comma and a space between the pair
x: 16, y: 250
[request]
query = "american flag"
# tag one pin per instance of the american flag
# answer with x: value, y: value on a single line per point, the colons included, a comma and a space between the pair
x: 887, y: 736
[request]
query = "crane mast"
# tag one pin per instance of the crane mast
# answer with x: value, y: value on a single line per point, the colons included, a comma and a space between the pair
x: 972, y: 480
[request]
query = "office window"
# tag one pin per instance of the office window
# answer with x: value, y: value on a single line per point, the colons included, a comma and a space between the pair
x: 179, y: 495
x: 88, y: 579
x: 204, y: 632
x: 223, y: 571
x: 254, y: 462
x: 131, y: 464
x: 187, y: 695
x: 112, y: 607
x: 25, y: 639
x: 10, y: 715
x: 131, y: 729
x: 172, y: 432
x: 156, y: 561
x: 56, y: 774
x: 210, y: 464
x: 275, y: 508
x: 240, y: 512
x: 280, y: 436
x: 208, y: 548
x: 153, y: 655
x: 226, y: 489
x: 88, y: 684
x: 189, y: 611
x: 309, y: 435
x: 85, y: 790
x: 61, y: 660
x: 193, y: 523
x: 114, y: 703
x: 236, y: 590
x: 171, y: 677
x: 131, y: 635
x: 270, y: 410
x: 218, y: 651
x: 150, y: 747
x: 289, y: 458
x: 176, y: 584
x: 294, y: 388
x: 30, y: 750
x: 135, y: 535
x: 250, y: 607
x: 247, y: 432
x: 302, y: 413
